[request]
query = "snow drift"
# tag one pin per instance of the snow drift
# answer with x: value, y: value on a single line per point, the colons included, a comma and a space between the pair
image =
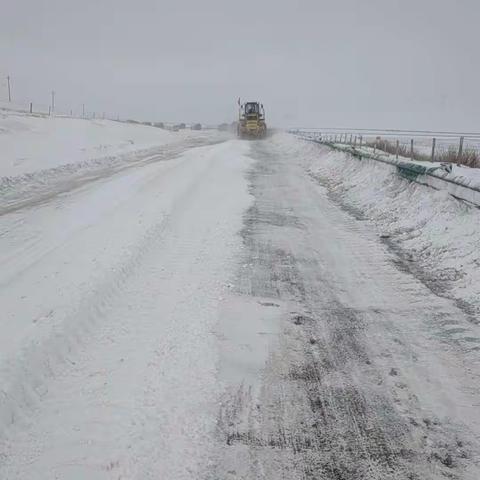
x: 31, y: 143
x: 43, y: 155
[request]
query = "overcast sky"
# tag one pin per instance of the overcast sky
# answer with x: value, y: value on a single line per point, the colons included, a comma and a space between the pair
x: 365, y: 63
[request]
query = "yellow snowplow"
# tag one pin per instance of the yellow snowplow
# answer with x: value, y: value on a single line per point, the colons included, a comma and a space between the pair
x: 251, y: 120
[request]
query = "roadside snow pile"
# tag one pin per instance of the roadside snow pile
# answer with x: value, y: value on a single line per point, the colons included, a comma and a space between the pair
x: 437, y: 234
x: 32, y: 143
x: 467, y: 176
x: 43, y: 156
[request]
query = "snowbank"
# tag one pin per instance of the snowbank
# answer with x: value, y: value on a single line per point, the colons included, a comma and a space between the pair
x: 439, y: 235
x: 457, y: 174
x: 31, y: 143
x: 43, y: 156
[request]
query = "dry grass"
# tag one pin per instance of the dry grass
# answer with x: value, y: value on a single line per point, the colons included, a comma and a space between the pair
x: 469, y: 157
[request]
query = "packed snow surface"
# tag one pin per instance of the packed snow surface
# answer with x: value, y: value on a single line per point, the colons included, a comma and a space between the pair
x: 215, y: 308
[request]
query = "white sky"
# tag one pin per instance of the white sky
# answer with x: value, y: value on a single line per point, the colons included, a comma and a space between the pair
x: 365, y: 63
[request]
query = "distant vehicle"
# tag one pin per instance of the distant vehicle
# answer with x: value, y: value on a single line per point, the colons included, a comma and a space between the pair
x: 181, y: 126
x: 196, y: 126
x: 159, y: 125
x: 251, y: 120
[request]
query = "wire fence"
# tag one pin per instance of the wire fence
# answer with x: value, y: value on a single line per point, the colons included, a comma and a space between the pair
x: 13, y: 100
x: 44, y: 110
x: 421, y: 145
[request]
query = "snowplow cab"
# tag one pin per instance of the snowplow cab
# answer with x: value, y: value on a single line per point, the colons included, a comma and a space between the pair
x: 251, y: 120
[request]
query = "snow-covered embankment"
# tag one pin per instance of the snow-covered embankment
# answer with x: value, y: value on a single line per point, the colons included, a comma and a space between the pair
x: 33, y: 143
x: 41, y: 156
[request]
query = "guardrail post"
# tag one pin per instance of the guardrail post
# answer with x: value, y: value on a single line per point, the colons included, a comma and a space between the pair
x: 411, y: 149
x: 375, y: 147
x: 433, y: 149
x: 31, y: 107
x: 460, y: 147
x: 361, y: 139
x: 355, y: 142
x: 397, y: 146
x: 335, y: 139
x: 351, y: 138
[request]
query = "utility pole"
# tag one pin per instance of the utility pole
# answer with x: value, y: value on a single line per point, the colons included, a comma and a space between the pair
x: 9, y: 91
x: 83, y: 110
x: 53, y: 102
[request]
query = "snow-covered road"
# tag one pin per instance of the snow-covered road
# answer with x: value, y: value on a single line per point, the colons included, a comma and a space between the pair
x: 109, y: 299
x: 374, y: 376
x: 222, y: 314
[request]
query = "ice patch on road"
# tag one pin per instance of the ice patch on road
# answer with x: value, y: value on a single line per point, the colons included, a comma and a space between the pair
x: 248, y: 328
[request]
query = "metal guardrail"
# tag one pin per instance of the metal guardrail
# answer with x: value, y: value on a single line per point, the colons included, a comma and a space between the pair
x: 437, y: 175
